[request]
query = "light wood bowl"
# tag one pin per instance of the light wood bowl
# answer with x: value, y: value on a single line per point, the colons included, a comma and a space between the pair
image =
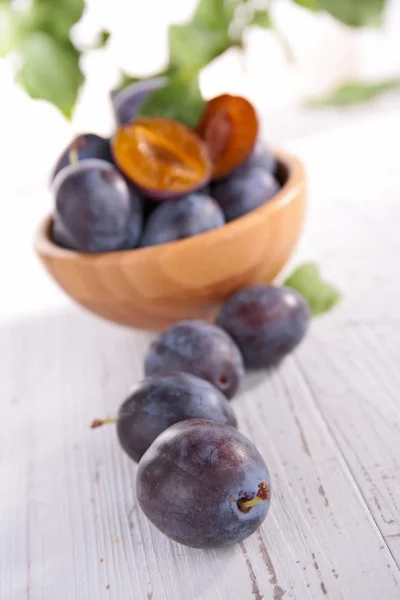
x: 151, y: 288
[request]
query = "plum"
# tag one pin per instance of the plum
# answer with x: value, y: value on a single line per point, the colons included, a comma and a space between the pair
x: 127, y: 102
x: 162, y: 400
x: 203, y: 484
x: 82, y: 147
x: 96, y: 210
x: 266, y: 323
x: 199, y: 348
x: 245, y: 190
x: 186, y: 217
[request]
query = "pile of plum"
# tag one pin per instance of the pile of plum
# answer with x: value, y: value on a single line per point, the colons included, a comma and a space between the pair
x: 156, y: 180
x: 200, y: 481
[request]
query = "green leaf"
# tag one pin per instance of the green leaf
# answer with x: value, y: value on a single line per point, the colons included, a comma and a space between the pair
x: 262, y: 19
x: 321, y: 296
x: 355, y: 93
x: 215, y: 14
x: 195, y: 46
x: 314, y: 5
x: 102, y: 40
x: 53, y: 17
x: 9, y: 33
x: 355, y: 13
x: 50, y: 71
x: 180, y: 99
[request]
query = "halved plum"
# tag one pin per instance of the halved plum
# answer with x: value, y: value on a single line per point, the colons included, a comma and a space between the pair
x: 229, y: 128
x: 164, y: 158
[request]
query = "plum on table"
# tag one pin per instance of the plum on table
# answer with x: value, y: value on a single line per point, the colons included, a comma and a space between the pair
x: 266, y: 323
x: 203, y: 484
x: 199, y: 348
x: 162, y: 400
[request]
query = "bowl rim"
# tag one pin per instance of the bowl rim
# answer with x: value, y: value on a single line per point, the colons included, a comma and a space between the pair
x: 44, y: 246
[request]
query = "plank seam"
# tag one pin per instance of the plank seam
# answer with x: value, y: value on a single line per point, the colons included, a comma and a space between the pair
x: 341, y: 453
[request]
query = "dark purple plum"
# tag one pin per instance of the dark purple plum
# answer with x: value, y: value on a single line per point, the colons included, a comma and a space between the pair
x: 261, y: 157
x: 201, y: 349
x: 178, y: 219
x: 82, y: 147
x: 60, y: 235
x: 196, y: 481
x: 135, y: 221
x: 266, y: 323
x: 95, y: 208
x: 161, y: 401
x: 127, y: 102
x: 244, y: 191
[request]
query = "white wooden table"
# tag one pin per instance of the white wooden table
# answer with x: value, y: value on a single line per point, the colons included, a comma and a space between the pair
x: 327, y: 423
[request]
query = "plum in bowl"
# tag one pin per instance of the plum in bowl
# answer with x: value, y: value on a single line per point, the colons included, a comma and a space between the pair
x: 154, y: 287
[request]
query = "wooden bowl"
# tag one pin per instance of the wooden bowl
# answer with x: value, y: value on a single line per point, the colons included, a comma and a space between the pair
x: 151, y: 288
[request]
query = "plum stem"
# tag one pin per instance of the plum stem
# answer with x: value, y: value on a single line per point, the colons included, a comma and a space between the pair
x: 101, y: 422
x: 250, y: 503
x: 263, y: 494
x: 73, y: 155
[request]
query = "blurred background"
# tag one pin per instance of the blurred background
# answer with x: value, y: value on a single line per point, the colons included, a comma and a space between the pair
x: 68, y: 55
x: 295, y: 55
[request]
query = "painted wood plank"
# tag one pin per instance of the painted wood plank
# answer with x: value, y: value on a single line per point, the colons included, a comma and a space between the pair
x: 355, y: 382
x: 350, y: 361
x: 71, y: 495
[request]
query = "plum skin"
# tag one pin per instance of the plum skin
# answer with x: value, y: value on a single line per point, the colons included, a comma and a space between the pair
x: 135, y: 220
x: 128, y: 101
x: 60, y: 235
x: 86, y: 146
x: 245, y: 190
x: 162, y: 400
x: 199, y: 348
x: 266, y: 323
x: 191, y: 479
x: 178, y: 219
x: 261, y: 157
x: 96, y: 210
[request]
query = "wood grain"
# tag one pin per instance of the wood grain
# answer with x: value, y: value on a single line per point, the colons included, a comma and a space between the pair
x: 70, y: 523
x: 153, y: 287
x: 362, y: 412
